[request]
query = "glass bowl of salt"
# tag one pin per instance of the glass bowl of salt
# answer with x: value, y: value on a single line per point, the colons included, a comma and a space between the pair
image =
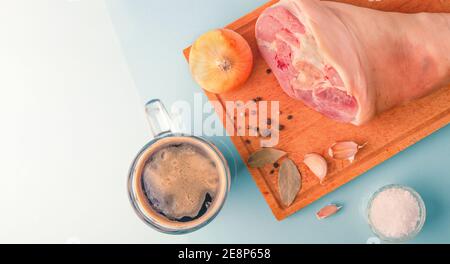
x: 396, y: 213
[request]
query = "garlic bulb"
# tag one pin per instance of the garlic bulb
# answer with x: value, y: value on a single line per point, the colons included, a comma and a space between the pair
x: 345, y: 150
x: 317, y: 164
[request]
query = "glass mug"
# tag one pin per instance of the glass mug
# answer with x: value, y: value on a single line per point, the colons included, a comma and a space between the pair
x: 177, y: 183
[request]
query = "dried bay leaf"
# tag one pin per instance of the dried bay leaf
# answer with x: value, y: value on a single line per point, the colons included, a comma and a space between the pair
x: 265, y: 156
x: 289, y: 181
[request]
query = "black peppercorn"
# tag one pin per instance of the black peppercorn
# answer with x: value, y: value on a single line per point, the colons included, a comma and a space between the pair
x: 257, y: 99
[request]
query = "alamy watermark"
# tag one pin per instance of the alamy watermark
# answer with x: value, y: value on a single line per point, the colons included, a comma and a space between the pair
x: 253, y: 118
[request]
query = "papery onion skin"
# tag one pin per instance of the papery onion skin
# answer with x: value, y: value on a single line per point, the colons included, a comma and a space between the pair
x: 221, y: 60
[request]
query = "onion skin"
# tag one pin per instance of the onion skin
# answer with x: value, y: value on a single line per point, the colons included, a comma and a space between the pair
x: 220, y: 60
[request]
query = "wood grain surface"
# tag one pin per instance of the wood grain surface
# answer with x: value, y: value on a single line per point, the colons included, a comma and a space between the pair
x: 309, y: 131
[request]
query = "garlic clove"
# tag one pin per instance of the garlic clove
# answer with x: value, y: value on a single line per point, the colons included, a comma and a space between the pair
x: 317, y: 164
x: 345, y: 150
x: 328, y: 211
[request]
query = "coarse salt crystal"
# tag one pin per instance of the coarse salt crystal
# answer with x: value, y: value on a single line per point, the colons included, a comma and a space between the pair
x: 395, y: 213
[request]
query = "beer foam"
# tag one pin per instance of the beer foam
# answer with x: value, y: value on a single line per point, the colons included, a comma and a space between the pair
x: 177, y: 179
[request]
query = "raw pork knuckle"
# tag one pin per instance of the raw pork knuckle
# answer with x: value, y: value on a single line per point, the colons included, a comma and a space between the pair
x: 350, y: 63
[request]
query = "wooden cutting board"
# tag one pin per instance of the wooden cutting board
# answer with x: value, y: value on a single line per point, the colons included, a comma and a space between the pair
x: 309, y: 131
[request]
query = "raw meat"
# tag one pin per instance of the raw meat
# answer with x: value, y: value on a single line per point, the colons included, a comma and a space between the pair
x: 350, y: 63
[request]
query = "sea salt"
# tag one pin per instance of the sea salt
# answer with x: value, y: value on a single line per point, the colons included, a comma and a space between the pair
x: 395, y: 213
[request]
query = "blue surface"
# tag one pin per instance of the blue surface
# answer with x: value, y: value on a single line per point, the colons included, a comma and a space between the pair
x: 153, y: 34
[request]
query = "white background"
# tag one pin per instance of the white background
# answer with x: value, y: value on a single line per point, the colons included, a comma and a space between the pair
x: 71, y: 122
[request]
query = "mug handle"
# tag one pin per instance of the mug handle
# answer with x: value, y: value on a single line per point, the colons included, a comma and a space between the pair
x: 158, y: 117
